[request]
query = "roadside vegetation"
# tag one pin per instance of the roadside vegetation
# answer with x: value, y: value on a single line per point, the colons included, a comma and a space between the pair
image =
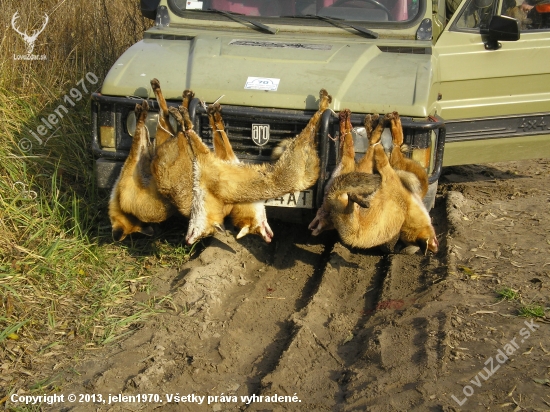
x: 63, y: 284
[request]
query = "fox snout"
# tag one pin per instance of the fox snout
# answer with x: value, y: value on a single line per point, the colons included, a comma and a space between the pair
x: 430, y: 244
x: 194, y: 234
x: 262, y: 230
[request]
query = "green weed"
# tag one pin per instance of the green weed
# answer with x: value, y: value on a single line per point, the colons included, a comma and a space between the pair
x: 507, y: 293
x: 532, y: 311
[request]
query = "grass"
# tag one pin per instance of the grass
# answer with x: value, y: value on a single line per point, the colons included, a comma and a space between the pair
x: 531, y: 311
x: 507, y: 293
x: 63, y: 284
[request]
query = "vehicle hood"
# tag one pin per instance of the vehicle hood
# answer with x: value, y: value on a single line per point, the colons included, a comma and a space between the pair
x: 357, y: 74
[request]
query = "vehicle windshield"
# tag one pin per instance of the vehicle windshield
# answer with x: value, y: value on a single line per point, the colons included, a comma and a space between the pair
x: 311, y: 11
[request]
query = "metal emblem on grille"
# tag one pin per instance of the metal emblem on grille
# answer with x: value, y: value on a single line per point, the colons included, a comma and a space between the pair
x: 260, y: 134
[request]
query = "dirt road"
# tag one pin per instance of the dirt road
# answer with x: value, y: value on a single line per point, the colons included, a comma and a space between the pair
x: 308, y: 324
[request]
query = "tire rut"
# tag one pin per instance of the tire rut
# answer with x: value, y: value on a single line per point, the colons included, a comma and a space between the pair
x: 362, y: 333
x: 282, y: 287
x: 310, y: 317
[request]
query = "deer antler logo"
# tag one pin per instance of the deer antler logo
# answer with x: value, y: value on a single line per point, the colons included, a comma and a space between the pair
x: 29, y: 39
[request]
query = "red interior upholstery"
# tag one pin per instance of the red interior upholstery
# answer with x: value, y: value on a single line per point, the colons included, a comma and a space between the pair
x: 256, y: 7
x: 399, y: 11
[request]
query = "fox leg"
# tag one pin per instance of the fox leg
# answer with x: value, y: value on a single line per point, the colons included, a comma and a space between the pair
x: 250, y: 218
x: 374, y: 134
x: 322, y: 220
x: 222, y: 146
x: 308, y: 133
x: 400, y: 162
x: 346, y: 143
x: 313, y: 125
x: 164, y: 128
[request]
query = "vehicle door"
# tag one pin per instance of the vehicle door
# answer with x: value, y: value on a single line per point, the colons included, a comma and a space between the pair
x: 499, y: 93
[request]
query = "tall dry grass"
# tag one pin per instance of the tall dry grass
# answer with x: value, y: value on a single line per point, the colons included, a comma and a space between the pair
x: 61, y: 281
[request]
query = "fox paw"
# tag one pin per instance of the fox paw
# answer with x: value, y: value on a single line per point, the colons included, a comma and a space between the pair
x: 188, y: 95
x: 214, y: 108
x: 369, y: 122
x: 141, y: 109
x: 176, y: 112
x: 323, y: 95
x: 155, y: 84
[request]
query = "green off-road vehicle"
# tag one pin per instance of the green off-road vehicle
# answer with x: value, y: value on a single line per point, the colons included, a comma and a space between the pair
x: 471, y: 83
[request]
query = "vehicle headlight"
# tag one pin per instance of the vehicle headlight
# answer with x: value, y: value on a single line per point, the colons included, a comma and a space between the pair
x: 150, y: 122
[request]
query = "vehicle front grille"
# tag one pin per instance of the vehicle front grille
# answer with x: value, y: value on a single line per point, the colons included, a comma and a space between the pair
x: 283, y: 124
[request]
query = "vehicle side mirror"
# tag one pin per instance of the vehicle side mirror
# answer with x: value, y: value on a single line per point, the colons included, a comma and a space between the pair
x: 149, y: 8
x: 501, y: 28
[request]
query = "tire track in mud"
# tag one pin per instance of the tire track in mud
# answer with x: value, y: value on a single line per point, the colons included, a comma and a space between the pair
x: 362, y: 334
x: 285, y: 285
x: 338, y: 327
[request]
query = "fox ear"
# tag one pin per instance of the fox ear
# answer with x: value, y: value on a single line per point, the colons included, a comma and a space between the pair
x: 219, y: 228
x: 244, y: 231
x: 147, y: 230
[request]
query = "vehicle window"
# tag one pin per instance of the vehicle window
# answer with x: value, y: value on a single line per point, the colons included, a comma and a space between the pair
x: 531, y: 16
x: 475, y: 14
x: 347, y: 10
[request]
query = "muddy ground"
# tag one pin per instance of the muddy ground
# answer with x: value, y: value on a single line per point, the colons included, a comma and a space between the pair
x: 314, y: 325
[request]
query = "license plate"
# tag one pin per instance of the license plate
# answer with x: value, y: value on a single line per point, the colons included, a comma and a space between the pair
x: 303, y: 199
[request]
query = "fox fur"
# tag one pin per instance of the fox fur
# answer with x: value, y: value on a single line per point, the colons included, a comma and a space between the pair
x: 138, y: 169
x: 369, y: 210
x: 400, y: 162
x: 135, y: 198
x: 322, y: 220
x: 218, y: 182
x: 251, y: 218
x: 172, y: 166
x: 347, y: 164
x: 156, y: 176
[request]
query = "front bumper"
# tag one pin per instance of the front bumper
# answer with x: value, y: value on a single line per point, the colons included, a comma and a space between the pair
x: 426, y: 137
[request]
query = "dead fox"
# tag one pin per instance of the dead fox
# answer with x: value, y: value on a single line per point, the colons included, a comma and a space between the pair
x: 163, y: 171
x: 218, y: 183
x: 322, y: 220
x: 347, y: 164
x: 369, y: 210
x: 250, y: 218
x: 137, y: 174
x: 172, y: 167
x: 135, y: 198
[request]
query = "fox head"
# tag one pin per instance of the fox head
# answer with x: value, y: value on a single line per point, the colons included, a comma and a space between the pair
x: 124, y: 224
x: 427, y: 241
x: 251, y: 218
x: 418, y: 228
